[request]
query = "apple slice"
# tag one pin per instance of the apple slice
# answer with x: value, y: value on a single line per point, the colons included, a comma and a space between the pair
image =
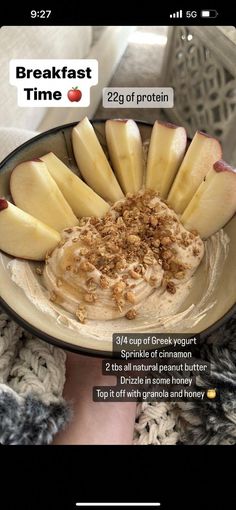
x: 22, y: 235
x: 82, y: 199
x: 214, y: 202
x: 35, y: 191
x: 93, y: 163
x: 126, y: 152
x: 199, y: 158
x: 166, y: 151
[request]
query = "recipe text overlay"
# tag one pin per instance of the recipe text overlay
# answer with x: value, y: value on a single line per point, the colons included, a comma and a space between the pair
x: 155, y: 368
x: 138, y: 97
x: 53, y: 82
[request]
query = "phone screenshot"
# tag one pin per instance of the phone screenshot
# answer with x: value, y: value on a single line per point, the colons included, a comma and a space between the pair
x: 117, y: 251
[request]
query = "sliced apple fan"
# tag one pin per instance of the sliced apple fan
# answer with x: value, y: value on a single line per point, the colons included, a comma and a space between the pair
x: 49, y: 197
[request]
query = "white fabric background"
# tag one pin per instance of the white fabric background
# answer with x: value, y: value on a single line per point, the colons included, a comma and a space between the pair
x: 35, y: 42
x: 11, y: 138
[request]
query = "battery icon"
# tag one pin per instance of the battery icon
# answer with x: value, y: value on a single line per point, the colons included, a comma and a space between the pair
x: 209, y: 13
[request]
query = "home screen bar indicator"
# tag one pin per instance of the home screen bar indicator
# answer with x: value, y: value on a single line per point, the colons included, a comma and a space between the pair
x: 140, y: 505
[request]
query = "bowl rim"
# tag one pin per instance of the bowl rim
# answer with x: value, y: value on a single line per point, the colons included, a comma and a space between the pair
x: 51, y: 339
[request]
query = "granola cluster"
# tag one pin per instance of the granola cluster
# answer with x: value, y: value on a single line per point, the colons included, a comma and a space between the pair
x: 137, y: 230
x: 138, y: 233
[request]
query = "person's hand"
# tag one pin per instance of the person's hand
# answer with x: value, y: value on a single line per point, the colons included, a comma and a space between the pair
x: 94, y: 422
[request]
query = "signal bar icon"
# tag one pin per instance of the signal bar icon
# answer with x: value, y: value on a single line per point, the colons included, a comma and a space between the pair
x: 178, y: 14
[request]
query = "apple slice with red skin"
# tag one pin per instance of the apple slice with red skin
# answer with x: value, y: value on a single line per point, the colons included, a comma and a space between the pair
x: 202, y: 153
x: 126, y: 152
x: 166, y: 151
x: 3, y: 204
x: 92, y: 162
x: 35, y: 192
x: 214, y: 202
x: 81, y: 198
x: 22, y: 235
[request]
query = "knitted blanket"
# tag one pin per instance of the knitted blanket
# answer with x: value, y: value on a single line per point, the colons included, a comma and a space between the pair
x: 32, y: 410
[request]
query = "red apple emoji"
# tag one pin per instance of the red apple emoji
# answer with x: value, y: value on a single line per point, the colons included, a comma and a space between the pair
x: 74, y: 94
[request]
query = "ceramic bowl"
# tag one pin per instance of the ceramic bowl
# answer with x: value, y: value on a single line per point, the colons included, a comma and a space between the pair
x: 17, y: 305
